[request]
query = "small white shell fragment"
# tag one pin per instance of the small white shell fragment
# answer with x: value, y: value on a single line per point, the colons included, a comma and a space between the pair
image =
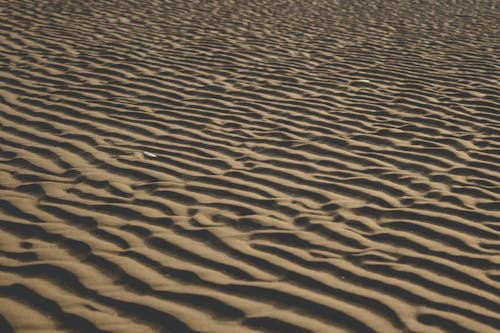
x: 363, y: 80
x: 148, y: 154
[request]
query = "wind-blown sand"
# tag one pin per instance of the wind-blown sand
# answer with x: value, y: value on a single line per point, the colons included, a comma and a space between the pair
x: 249, y: 166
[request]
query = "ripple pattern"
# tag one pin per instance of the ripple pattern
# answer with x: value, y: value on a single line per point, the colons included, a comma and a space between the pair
x: 249, y: 166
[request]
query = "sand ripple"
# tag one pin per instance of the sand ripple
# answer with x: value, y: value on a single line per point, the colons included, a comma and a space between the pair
x: 249, y: 166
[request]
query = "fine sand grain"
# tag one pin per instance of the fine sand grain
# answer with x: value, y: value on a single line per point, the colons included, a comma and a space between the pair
x: 232, y: 166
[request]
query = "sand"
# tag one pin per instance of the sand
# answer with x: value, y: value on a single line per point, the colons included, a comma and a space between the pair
x: 249, y: 166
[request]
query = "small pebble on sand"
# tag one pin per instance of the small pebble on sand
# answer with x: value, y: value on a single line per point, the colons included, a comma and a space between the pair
x: 150, y: 155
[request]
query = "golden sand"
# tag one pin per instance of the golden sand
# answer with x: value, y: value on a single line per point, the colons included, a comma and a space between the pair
x: 232, y: 166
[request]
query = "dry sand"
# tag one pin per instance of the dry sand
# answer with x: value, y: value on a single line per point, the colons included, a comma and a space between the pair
x: 249, y: 166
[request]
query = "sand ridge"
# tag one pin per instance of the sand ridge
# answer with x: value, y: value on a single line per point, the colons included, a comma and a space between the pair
x: 249, y: 166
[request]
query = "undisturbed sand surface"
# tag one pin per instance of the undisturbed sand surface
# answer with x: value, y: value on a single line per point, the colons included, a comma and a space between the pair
x: 254, y: 166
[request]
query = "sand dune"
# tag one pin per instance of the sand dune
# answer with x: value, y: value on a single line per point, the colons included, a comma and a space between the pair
x: 249, y: 166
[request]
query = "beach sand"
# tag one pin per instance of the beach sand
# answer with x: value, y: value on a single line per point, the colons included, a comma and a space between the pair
x: 249, y: 166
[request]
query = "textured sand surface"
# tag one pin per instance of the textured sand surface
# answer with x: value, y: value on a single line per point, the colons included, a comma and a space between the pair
x: 249, y: 166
